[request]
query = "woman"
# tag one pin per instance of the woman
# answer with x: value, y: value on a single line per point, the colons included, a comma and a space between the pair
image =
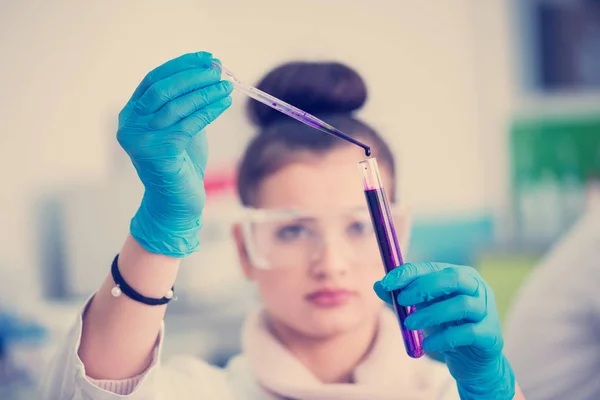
x: 322, y: 333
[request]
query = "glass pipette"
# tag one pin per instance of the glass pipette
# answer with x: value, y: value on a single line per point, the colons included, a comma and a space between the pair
x: 288, y: 109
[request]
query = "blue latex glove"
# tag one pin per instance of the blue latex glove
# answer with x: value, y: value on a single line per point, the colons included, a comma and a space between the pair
x: 457, y: 311
x: 161, y: 129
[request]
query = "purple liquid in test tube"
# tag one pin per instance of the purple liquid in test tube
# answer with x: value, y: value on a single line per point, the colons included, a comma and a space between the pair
x: 388, y: 246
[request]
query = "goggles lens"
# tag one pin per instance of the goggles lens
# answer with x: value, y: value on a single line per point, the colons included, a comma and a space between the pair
x: 291, y: 239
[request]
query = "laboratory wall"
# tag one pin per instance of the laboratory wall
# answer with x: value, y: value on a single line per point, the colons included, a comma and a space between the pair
x: 68, y: 67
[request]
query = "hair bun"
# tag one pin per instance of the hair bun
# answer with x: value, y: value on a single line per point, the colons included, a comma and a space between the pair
x: 315, y: 87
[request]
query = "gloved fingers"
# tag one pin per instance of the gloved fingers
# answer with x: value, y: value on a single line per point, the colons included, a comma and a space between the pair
x: 386, y: 296
x: 197, y: 150
x: 483, y: 335
x: 179, y: 108
x: 451, y: 338
x: 401, y: 276
x: 197, y: 121
x: 164, y: 91
x: 187, y: 61
x: 426, y: 304
x: 453, y: 280
x: 383, y: 294
x: 460, y: 309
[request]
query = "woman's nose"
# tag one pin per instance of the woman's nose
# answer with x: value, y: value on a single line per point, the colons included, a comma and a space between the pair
x: 332, y: 261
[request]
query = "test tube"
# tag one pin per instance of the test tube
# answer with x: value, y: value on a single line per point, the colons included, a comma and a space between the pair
x: 388, y: 246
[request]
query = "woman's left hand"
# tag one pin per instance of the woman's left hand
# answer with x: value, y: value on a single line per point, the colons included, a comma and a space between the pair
x: 457, y: 310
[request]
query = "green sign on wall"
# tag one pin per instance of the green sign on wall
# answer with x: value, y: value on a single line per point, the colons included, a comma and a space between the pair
x: 553, y: 159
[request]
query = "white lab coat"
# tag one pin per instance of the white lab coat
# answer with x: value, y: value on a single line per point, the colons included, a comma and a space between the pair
x: 265, y: 370
x: 553, y: 329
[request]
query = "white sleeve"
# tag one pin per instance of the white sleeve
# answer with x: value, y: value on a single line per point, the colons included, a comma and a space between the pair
x: 552, y: 338
x: 183, y: 378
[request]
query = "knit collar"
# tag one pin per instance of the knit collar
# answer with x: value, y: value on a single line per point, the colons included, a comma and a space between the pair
x: 386, y: 373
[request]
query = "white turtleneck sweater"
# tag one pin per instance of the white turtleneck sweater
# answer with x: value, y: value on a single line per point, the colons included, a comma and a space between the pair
x: 265, y: 370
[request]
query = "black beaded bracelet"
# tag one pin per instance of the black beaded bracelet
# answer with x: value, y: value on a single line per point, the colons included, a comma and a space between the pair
x: 123, y: 288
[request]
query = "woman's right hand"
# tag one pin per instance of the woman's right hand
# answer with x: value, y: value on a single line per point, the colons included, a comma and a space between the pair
x: 161, y: 129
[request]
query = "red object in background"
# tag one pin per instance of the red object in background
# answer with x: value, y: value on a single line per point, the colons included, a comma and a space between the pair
x: 219, y: 182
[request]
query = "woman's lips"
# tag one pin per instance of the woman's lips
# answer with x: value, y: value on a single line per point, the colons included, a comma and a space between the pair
x: 330, y: 297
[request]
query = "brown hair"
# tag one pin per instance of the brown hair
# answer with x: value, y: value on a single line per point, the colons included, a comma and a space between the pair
x: 330, y: 91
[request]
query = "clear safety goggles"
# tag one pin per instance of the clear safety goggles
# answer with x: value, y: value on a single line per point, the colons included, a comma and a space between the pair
x: 295, y: 239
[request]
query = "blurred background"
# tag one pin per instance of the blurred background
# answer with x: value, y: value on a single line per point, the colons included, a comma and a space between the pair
x: 489, y: 106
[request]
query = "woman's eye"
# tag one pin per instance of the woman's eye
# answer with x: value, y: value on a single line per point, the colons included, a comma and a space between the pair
x: 291, y: 232
x: 359, y: 228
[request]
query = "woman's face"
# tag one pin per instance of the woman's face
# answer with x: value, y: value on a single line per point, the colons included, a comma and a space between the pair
x: 332, y: 293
